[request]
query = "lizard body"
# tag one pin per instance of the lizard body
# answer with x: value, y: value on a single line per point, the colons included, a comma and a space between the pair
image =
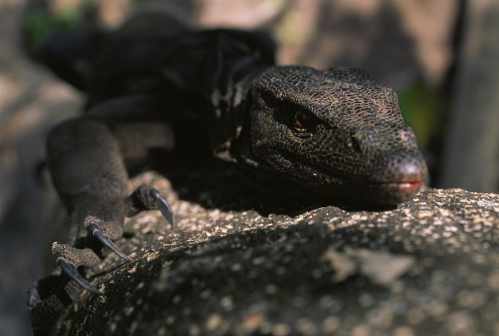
x: 335, y: 133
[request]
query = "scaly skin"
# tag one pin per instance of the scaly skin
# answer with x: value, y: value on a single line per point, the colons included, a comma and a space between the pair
x: 336, y: 133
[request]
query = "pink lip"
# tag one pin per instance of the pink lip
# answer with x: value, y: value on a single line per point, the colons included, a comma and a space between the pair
x: 407, y: 187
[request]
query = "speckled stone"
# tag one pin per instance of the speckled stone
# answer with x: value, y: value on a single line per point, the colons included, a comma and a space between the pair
x: 233, y: 267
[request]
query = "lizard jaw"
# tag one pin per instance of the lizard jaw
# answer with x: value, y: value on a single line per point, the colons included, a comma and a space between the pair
x: 365, y: 195
x: 364, y: 191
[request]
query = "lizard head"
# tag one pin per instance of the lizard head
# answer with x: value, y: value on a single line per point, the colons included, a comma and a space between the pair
x: 335, y: 132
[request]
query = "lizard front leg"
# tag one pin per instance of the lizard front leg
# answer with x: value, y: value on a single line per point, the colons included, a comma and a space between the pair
x: 89, y: 174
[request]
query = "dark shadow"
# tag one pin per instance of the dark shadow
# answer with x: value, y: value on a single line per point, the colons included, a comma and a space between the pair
x: 224, y: 185
x: 216, y: 184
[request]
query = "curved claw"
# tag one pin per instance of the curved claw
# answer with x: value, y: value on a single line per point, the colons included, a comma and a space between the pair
x: 97, y: 232
x: 71, y: 271
x: 163, y: 206
x: 148, y: 198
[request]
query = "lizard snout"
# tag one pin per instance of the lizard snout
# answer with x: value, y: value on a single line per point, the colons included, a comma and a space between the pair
x: 400, y: 175
x: 403, y: 167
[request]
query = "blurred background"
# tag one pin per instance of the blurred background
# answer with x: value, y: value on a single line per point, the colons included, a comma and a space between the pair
x: 441, y: 56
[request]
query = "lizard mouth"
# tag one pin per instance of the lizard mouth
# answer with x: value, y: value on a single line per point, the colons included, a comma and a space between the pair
x: 399, y: 178
x: 373, y: 194
x: 380, y: 194
x: 402, y: 187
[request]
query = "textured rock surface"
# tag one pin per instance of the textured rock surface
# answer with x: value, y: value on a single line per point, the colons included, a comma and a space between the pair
x: 429, y: 267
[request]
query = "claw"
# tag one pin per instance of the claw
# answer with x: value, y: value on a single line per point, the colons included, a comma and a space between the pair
x: 163, y: 206
x: 148, y: 198
x: 96, y: 232
x: 73, y: 273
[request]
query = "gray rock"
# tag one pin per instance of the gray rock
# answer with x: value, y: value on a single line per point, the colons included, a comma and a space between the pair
x: 429, y: 267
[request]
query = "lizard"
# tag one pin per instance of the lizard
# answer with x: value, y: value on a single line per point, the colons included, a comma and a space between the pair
x: 335, y: 133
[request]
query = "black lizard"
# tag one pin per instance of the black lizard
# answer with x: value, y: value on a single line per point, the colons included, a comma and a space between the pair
x: 336, y: 133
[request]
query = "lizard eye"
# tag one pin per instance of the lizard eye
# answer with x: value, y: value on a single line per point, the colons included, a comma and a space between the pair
x: 303, y: 124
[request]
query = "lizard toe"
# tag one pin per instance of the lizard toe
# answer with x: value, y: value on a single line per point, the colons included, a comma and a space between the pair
x: 102, y: 236
x: 149, y: 198
x: 69, y: 259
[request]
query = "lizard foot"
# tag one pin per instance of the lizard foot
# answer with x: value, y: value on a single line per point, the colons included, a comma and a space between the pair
x: 69, y: 259
x: 143, y: 198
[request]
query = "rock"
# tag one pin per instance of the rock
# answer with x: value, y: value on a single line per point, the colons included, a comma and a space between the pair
x: 233, y: 266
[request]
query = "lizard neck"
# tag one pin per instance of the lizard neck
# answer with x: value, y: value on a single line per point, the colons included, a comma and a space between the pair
x: 230, y: 101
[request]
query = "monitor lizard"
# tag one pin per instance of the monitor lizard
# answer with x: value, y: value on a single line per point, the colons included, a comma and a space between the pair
x: 335, y: 133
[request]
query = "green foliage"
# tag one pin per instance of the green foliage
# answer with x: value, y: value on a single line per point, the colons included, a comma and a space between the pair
x: 39, y: 24
x: 421, y: 107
